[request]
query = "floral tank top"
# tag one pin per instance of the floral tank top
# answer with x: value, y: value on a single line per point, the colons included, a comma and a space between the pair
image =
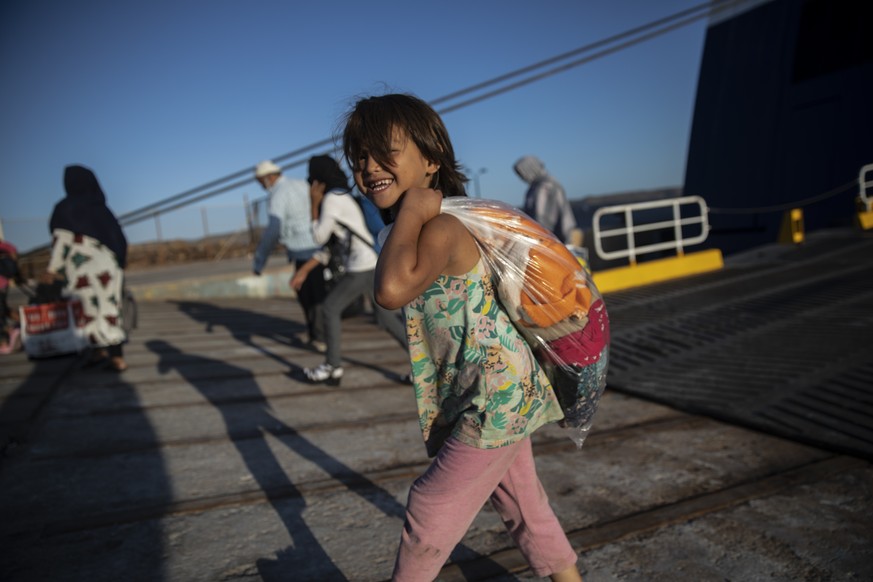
x: 475, y: 378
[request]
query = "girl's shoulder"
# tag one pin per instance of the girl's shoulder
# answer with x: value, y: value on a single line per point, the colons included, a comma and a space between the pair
x: 453, y: 238
x: 448, y: 230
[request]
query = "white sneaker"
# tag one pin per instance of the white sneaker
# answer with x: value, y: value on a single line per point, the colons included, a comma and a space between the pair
x: 324, y: 374
x: 318, y: 346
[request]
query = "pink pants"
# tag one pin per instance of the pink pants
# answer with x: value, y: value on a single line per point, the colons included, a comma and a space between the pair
x: 444, y: 501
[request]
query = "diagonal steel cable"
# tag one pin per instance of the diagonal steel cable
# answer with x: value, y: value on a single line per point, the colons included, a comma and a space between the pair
x: 607, y: 46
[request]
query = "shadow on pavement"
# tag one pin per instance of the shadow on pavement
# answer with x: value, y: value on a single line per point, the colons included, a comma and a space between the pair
x: 248, y: 435
x: 55, y: 501
x: 245, y: 325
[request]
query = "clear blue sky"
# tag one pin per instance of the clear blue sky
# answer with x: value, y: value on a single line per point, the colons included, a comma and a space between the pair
x: 162, y: 96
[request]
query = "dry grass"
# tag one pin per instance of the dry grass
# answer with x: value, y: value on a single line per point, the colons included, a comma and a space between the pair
x: 151, y: 254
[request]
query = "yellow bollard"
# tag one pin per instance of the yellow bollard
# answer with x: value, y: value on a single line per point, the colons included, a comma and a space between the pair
x: 792, y: 227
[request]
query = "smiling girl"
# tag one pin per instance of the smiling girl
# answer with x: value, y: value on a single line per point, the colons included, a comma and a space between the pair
x: 479, y: 390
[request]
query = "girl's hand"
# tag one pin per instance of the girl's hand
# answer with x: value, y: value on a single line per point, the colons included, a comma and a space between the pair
x: 300, y: 275
x: 297, y: 280
x: 420, y: 204
x: 316, y: 195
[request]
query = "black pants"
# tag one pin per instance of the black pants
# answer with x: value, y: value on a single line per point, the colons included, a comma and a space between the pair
x: 311, y: 295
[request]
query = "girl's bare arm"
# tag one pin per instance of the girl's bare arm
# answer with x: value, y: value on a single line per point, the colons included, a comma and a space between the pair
x: 423, y: 245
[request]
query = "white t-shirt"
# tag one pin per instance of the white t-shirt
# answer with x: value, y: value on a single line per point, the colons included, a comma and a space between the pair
x: 337, y: 207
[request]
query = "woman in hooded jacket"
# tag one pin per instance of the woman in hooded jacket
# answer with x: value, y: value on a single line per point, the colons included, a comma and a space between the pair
x: 89, y: 253
x: 545, y: 200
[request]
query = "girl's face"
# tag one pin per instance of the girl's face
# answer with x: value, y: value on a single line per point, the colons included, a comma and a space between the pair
x: 408, y: 169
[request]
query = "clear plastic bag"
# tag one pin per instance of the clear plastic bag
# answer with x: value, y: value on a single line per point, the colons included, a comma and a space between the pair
x: 549, y: 295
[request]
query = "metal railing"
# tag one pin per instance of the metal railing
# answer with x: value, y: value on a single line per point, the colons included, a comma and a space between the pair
x: 643, y: 228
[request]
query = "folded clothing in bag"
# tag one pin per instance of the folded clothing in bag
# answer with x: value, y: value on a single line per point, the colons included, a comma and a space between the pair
x: 550, y: 298
x: 53, y: 329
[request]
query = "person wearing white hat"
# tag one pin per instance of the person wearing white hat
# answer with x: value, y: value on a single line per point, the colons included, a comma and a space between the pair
x: 290, y: 223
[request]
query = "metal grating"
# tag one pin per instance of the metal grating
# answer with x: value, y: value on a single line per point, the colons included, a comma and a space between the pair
x: 786, y: 348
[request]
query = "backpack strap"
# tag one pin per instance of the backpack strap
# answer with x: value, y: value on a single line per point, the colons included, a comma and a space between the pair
x: 355, y: 233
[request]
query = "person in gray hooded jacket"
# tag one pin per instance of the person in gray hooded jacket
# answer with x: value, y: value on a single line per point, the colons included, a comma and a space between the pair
x: 545, y: 201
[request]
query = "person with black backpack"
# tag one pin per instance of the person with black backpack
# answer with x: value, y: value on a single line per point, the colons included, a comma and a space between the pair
x: 340, y: 225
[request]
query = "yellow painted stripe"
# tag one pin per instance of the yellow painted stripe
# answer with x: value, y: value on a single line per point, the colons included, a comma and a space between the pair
x: 658, y: 270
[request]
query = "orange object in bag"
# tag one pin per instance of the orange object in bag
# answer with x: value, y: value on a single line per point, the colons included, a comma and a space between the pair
x: 550, y: 298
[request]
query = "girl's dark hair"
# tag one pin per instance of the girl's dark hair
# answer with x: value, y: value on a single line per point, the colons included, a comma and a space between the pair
x: 369, y: 125
x: 326, y: 169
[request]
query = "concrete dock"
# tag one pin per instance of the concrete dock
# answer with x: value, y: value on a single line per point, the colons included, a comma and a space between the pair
x: 734, y: 441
